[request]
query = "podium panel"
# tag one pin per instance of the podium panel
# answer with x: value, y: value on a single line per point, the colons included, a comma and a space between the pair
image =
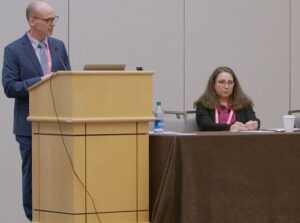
x: 90, y: 165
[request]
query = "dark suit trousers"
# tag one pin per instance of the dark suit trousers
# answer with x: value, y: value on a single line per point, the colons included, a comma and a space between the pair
x: 25, y: 150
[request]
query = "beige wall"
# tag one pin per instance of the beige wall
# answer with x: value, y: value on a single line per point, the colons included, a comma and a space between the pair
x: 295, y: 54
x: 12, y: 24
x: 182, y: 41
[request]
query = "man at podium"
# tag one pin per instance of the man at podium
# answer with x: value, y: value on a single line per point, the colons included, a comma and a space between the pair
x: 28, y: 60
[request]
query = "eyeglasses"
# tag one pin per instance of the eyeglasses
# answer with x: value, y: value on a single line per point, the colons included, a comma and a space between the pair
x: 51, y: 20
x: 223, y: 82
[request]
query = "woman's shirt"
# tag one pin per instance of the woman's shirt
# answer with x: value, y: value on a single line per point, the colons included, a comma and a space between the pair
x: 224, y: 115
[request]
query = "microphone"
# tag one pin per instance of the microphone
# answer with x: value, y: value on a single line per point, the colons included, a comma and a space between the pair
x: 62, y: 62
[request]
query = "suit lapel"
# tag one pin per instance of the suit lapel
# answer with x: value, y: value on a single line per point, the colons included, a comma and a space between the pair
x: 54, y: 56
x: 29, y: 51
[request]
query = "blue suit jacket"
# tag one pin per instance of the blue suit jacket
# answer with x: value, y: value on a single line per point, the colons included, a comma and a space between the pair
x: 21, y: 69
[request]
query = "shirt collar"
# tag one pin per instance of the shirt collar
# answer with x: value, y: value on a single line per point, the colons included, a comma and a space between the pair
x: 223, y: 107
x: 35, y: 42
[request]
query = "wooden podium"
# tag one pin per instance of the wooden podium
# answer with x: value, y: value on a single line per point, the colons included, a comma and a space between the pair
x: 90, y: 147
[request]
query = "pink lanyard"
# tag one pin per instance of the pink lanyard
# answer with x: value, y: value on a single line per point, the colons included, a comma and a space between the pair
x: 229, y: 117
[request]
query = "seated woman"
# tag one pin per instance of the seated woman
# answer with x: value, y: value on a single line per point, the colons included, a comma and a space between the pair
x: 224, y: 106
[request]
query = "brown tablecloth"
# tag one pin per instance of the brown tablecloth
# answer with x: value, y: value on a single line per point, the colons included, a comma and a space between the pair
x: 225, y: 177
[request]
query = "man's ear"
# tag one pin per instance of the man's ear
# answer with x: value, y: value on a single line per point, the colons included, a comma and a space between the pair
x: 31, y: 21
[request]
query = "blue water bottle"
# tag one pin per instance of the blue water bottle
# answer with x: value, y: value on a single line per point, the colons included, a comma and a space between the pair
x: 159, y: 119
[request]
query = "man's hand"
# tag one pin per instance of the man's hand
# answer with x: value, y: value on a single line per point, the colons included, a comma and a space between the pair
x: 46, y: 76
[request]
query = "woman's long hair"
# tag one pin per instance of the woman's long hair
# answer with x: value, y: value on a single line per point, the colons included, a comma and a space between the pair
x: 210, y: 99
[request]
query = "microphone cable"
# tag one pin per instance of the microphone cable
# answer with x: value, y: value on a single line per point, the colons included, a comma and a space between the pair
x: 68, y: 154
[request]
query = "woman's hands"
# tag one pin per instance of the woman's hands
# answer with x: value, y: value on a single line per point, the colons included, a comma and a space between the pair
x: 252, y: 125
x: 239, y: 126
